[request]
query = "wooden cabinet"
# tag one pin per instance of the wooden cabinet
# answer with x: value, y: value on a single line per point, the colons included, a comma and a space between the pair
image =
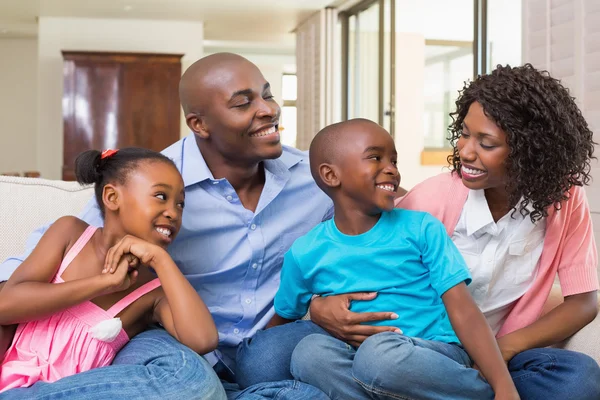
x: 115, y: 100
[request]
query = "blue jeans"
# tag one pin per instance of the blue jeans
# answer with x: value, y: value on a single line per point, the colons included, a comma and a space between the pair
x: 538, y: 374
x: 280, y: 390
x: 263, y: 365
x: 388, y: 366
x: 548, y: 373
x: 153, y: 365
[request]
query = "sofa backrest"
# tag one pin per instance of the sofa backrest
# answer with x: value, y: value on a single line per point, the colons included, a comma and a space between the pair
x: 28, y: 203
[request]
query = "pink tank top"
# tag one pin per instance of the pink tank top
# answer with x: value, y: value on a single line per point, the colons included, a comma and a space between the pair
x: 65, y: 343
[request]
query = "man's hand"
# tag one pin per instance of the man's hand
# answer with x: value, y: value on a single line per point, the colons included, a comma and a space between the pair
x: 333, y: 314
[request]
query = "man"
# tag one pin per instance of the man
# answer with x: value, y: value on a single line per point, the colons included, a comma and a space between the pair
x: 247, y: 199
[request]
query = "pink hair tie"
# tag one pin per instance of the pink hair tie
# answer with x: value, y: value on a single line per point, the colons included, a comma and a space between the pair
x: 107, y: 153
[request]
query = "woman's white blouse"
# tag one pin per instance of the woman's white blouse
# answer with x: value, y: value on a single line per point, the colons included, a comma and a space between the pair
x: 502, y: 256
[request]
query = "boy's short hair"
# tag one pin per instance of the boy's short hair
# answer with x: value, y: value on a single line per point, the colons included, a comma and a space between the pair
x: 328, y: 145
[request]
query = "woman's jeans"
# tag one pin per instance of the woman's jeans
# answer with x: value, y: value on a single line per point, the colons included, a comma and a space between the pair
x: 153, y: 365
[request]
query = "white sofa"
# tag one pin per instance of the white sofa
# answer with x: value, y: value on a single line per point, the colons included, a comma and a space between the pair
x: 28, y: 203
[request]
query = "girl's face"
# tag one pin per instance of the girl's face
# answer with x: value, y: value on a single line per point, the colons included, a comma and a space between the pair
x: 483, y: 151
x: 151, y: 203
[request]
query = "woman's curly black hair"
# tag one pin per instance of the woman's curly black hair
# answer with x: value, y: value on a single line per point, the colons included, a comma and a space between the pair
x: 550, y: 143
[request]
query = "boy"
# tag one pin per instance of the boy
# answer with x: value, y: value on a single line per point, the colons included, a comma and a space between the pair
x: 406, y: 257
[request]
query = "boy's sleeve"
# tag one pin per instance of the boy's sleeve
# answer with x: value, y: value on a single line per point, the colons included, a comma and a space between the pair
x: 446, y: 265
x: 293, y: 298
x: 90, y: 214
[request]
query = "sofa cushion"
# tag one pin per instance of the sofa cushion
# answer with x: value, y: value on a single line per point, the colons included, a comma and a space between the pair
x: 28, y: 203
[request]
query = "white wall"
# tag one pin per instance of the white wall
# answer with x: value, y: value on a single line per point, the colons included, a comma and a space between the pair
x: 56, y: 34
x: 18, y: 105
x: 410, y: 101
x: 564, y: 39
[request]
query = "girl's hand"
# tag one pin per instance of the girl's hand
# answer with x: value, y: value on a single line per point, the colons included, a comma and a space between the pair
x: 124, y: 275
x: 135, y: 250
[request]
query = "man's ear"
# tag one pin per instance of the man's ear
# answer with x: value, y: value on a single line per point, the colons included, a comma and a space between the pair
x: 111, y: 197
x: 197, y: 124
x: 329, y: 174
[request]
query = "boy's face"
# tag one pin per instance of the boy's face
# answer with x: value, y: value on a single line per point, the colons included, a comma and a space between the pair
x: 369, y: 177
x: 152, y: 201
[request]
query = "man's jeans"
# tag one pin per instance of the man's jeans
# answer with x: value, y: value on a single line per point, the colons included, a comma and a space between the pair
x: 263, y: 366
x: 153, y: 365
x: 392, y: 366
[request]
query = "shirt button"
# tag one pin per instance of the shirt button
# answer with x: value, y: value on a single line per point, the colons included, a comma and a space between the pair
x: 248, y: 301
x: 253, y: 226
x: 255, y: 265
x: 229, y: 198
x: 215, y: 182
x: 236, y: 331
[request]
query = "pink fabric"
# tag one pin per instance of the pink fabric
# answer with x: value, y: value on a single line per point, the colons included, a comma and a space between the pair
x: 569, y: 246
x: 61, y: 344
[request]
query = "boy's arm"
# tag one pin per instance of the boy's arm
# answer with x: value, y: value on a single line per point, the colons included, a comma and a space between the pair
x: 476, y: 336
x: 293, y: 296
x: 90, y: 214
x: 449, y: 276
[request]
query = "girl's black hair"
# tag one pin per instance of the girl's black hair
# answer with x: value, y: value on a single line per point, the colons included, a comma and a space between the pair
x: 90, y: 167
x: 550, y: 143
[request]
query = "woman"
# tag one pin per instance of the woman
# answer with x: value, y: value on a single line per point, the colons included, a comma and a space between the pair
x: 514, y: 207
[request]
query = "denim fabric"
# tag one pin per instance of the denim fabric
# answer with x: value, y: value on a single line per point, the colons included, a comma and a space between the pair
x: 281, y: 390
x: 548, y: 373
x: 266, y: 356
x: 153, y: 365
x: 388, y: 366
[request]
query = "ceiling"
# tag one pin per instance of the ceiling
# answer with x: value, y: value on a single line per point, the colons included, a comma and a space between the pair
x: 241, y: 20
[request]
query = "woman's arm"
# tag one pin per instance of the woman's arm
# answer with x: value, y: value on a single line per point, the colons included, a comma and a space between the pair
x: 180, y: 311
x: 562, y: 322
x: 476, y: 336
x: 29, y: 295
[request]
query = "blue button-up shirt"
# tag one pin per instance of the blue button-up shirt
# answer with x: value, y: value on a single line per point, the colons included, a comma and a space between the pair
x: 233, y: 256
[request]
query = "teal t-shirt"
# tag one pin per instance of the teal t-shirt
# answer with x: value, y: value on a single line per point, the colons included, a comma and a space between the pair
x: 407, y: 257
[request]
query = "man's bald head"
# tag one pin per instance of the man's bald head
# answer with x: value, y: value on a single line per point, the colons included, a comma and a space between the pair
x: 327, y: 146
x: 204, y: 75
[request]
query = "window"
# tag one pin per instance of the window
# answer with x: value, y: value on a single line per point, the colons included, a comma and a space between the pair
x: 438, y: 45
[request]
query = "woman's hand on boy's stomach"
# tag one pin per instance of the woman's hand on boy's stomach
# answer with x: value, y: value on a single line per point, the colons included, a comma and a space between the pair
x: 333, y: 314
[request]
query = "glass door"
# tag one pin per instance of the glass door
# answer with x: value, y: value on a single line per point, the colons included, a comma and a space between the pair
x: 367, y: 62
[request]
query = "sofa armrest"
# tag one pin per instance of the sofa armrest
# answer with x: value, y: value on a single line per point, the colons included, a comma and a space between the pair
x: 585, y: 341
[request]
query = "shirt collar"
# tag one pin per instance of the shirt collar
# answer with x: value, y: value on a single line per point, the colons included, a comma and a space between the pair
x: 478, y: 215
x: 194, y: 168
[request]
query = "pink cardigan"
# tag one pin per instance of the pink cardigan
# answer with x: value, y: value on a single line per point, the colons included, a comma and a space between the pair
x: 569, y: 246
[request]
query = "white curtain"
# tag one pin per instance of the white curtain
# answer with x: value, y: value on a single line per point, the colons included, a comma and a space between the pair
x: 316, y: 63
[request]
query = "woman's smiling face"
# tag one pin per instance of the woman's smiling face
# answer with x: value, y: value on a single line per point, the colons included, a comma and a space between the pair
x: 483, y: 150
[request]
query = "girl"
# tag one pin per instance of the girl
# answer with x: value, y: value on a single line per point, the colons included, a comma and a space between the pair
x: 515, y: 208
x: 84, y: 291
